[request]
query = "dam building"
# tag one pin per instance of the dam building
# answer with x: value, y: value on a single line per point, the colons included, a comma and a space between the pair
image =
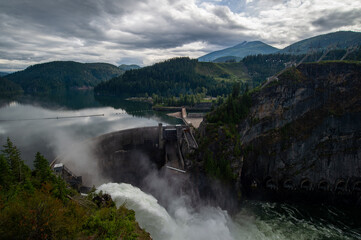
x: 129, y: 155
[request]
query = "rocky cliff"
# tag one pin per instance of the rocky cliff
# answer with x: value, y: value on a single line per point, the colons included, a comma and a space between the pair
x: 301, y: 135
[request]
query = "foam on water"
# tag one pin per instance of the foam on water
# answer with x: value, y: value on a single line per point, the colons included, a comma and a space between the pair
x: 256, y: 220
x: 207, y: 223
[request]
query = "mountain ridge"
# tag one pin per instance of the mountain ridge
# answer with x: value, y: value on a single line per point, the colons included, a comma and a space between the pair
x: 240, y: 50
x: 63, y: 75
x: 339, y: 39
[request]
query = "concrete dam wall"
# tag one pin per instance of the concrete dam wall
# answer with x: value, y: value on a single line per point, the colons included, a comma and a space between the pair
x: 126, y: 156
x: 129, y: 155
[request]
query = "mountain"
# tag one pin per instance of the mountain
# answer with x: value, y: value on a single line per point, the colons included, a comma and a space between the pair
x: 342, y: 39
x: 227, y: 59
x: 176, y: 76
x: 125, y: 67
x: 297, y: 137
x: 2, y: 74
x: 54, y: 76
x: 241, y: 50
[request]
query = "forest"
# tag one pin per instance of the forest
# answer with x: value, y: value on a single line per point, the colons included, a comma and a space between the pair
x: 59, y: 76
x: 37, y: 204
x: 170, y: 78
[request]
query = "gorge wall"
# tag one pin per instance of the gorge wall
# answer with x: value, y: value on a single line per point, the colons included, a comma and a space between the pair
x: 301, y: 136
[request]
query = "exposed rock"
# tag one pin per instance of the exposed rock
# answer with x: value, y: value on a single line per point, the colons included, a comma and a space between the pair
x: 303, y: 133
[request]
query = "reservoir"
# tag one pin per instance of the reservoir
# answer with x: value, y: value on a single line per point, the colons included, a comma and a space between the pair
x: 54, y: 125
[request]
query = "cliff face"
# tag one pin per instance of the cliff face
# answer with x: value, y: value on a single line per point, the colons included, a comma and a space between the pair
x: 303, y: 133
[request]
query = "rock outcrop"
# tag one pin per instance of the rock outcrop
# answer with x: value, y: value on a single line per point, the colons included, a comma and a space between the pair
x: 302, y: 135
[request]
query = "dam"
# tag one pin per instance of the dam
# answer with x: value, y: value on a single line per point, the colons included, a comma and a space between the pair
x: 127, y: 155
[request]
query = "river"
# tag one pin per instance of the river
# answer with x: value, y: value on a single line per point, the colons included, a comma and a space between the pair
x: 52, y: 125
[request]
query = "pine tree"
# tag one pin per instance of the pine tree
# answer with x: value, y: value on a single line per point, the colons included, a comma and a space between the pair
x: 5, y: 173
x: 12, y: 155
x: 42, y: 169
x: 19, y: 171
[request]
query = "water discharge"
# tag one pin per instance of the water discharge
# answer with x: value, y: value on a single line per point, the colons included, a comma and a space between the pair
x: 207, y: 223
x: 256, y: 220
x: 174, y: 218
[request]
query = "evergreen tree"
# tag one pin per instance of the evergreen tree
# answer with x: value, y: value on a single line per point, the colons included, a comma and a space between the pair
x: 12, y: 154
x: 19, y: 170
x: 236, y: 90
x: 42, y: 169
x: 5, y: 174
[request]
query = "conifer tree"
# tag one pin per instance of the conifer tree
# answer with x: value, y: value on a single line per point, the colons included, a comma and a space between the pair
x: 42, y: 169
x: 12, y: 154
x: 5, y: 174
x: 19, y: 170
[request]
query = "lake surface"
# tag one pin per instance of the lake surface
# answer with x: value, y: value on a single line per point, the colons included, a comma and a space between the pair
x: 52, y: 125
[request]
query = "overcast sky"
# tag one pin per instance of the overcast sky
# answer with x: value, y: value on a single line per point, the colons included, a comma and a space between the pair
x: 148, y: 31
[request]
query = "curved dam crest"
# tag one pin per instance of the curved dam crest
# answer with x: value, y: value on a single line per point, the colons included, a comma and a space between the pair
x: 130, y: 156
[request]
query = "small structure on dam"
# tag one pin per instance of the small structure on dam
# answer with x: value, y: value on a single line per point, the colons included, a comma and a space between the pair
x: 129, y: 155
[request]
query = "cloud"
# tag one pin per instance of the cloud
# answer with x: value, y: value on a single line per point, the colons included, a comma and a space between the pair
x: 338, y: 19
x: 146, y: 31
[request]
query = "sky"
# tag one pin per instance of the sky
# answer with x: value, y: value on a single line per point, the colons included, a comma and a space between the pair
x: 147, y: 31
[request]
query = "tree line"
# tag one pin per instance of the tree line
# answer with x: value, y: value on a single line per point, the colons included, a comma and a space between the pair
x: 36, y: 204
x: 169, y: 78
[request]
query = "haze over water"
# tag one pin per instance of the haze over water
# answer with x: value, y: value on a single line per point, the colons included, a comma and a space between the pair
x: 27, y: 123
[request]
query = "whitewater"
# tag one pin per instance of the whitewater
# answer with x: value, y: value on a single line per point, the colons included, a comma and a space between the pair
x: 259, y: 221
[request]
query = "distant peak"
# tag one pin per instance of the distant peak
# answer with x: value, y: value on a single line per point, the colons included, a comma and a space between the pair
x: 242, y: 43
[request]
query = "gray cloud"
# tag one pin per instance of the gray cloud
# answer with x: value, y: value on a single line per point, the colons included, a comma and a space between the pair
x: 338, y: 19
x: 148, y: 31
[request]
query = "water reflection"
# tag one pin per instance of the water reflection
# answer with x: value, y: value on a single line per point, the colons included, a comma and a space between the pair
x: 51, y: 134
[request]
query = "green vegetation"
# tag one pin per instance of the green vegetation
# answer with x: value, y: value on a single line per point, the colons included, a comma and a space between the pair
x: 259, y: 67
x: 57, y: 76
x: 172, y: 78
x: 182, y: 100
x: 220, y: 168
x: 220, y: 147
x: 231, y: 72
x: 292, y: 74
x: 341, y: 39
x: 39, y: 205
x: 235, y: 108
x: 9, y: 89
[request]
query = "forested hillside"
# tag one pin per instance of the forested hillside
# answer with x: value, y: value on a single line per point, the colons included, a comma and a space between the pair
x: 339, y: 40
x: 174, y: 77
x: 8, y: 88
x: 260, y: 67
x: 37, y: 204
x: 55, y: 76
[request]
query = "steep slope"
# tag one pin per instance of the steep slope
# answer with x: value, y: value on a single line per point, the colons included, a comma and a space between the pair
x: 174, y: 77
x: 223, y: 71
x: 241, y: 50
x: 342, y: 39
x: 46, y: 77
x: 300, y: 135
x: 227, y: 59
